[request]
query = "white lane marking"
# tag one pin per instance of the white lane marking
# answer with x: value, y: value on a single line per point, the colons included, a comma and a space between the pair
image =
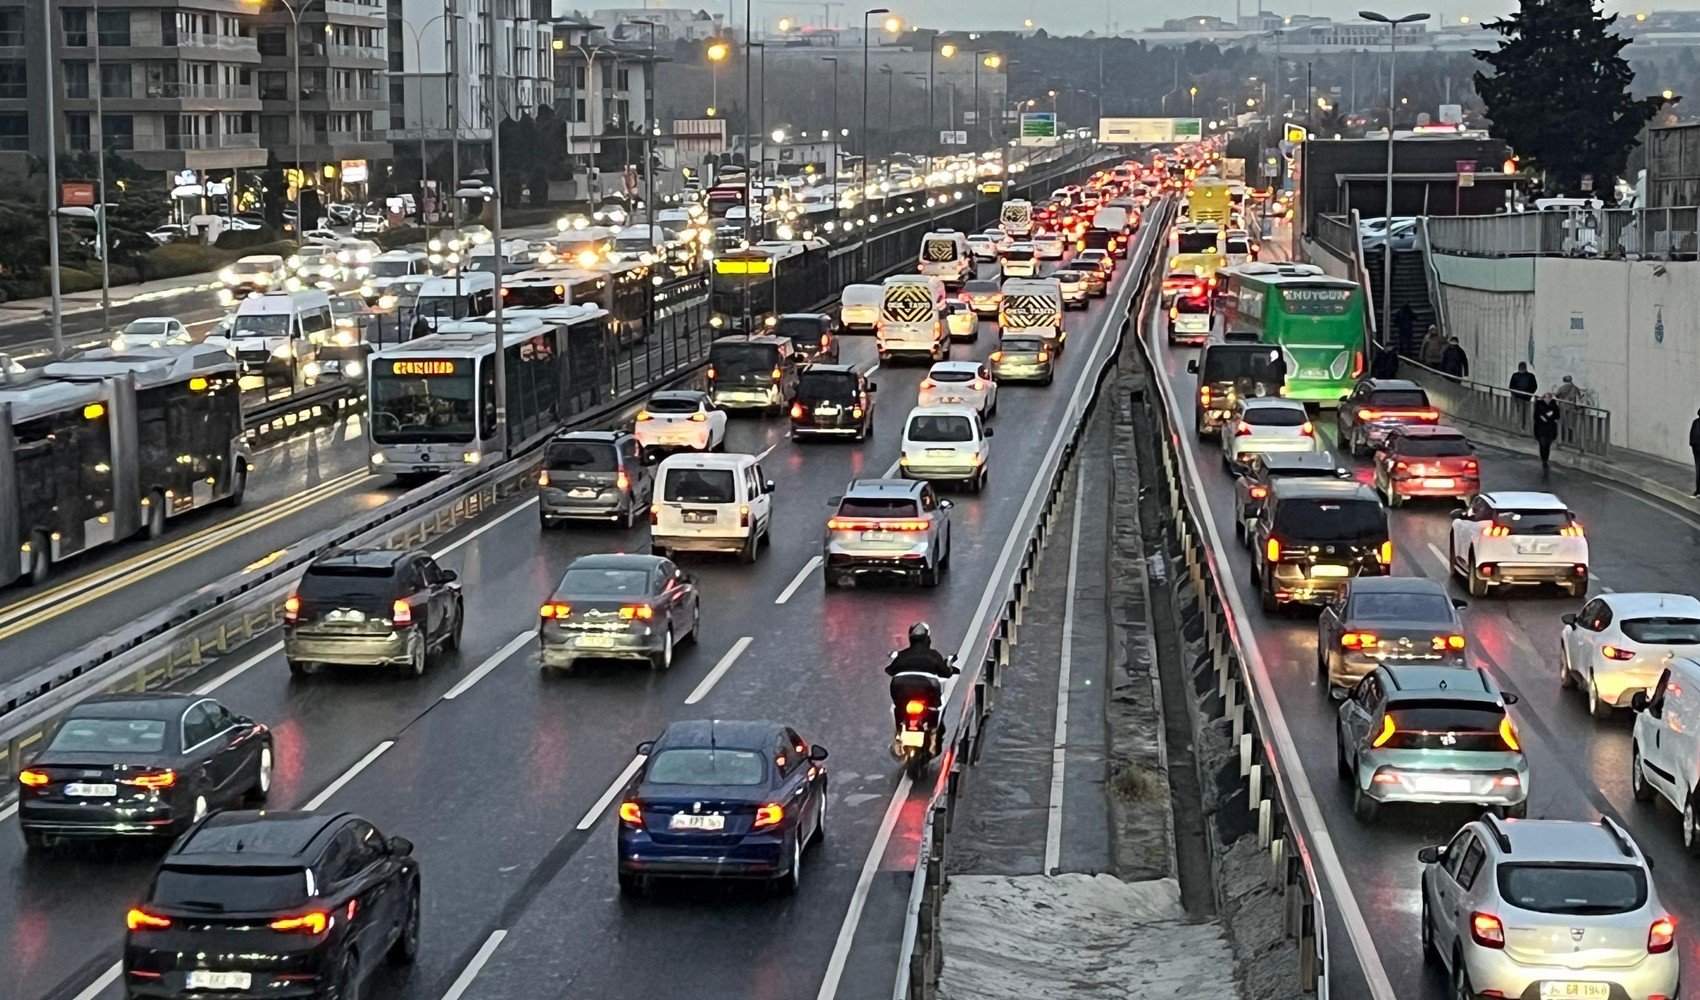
x: 893, y: 470
x: 496, y: 659
x: 1065, y: 669
x: 1663, y: 507
x: 101, y: 982
x: 483, y: 528
x: 10, y: 811
x: 241, y: 668
x: 875, y: 368
x: 1440, y: 557
x: 767, y: 451
x: 797, y: 581
x: 719, y: 671
x: 347, y: 776
x: 601, y: 805
x: 988, y: 599
x: 464, y: 981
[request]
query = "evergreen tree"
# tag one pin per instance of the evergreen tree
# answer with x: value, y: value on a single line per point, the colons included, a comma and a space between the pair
x: 1559, y: 93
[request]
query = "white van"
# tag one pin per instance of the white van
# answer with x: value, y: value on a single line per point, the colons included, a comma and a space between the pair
x: 390, y: 268
x: 859, y: 307
x: 277, y: 336
x: 1016, y: 218
x: 911, y: 318
x: 946, y: 255
x: 948, y: 443
x: 1033, y: 305
x: 711, y: 503
x: 440, y: 302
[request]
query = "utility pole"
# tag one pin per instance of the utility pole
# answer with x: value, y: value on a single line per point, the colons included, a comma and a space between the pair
x: 58, y: 322
x: 501, y: 356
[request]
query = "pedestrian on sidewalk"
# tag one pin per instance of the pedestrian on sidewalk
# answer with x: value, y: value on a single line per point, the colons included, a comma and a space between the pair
x: 1403, y: 320
x: 1453, y: 360
x: 1434, y: 345
x: 1694, y: 447
x: 1386, y: 364
x: 1546, y: 427
x: 1523, y: 380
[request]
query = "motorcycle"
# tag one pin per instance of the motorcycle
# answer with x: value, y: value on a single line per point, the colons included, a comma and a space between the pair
x: 917, y: 709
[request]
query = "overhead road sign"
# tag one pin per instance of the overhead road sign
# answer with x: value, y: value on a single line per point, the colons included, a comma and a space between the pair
x: 1150, y: 130
x: 1038, y: 128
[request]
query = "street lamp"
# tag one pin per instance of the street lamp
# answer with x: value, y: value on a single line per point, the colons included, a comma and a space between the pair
x: 1193, y: 93
x: 649, y: 182
x: 419, y: 61
x: 717, y: 53
x: 295, y: 13
x: 1393, y: 24
x: 867, y: 28
x: 835, y: 133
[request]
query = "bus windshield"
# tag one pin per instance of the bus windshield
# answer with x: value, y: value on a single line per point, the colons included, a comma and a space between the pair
x: 423, y: 409
x: 533, y: 296
x: 436, y: 307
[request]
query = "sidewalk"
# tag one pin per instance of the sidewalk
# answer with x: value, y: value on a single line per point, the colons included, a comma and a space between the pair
x: 31, y: 310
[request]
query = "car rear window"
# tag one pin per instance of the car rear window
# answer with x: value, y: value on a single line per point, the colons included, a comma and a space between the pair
x: 1572, y: 888
x: 1259, y: 364
x: 1022, y: 345
x: 110, y: 735
x: 878, y: 507
x: 581, y: 456
x: 1440, y: 725
x: 673, y: 404
x: 1276, y: 416
x: 951, y: 375
x: 1193, y: 306
x: 343, y: 581
x: 742, y: 359
x: 981, y: 286
x: 226, y: 890
x: 806, y: 331
x: 700, y: 486
x: 1307, y: 519
x: 1067, y: 275
x: 613, y: 582
x: 1534, y: 522
x: 1018, y: 255
x: 1434, y: 447
x: 1672, y: 631
x: 835, y: 386
x: 1401, y: 608
x: 1398, y: 398
x: 940, y: 427
x: 704, y: 766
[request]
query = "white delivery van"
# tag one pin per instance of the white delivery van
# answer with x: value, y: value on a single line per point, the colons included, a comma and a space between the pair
x: 710, y: 503
x: 859, y: 307
x: 1033, y: 306
x: 1016, y: 218
x: 911, y: 318
x: 391, y: 268
x: 444, y: 299
x: 277, y: 337
x: 946, y: 255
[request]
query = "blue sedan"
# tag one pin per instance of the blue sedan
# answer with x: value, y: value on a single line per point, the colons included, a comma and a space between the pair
x: 718, y: 799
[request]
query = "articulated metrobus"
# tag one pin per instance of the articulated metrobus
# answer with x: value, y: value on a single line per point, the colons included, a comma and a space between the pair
x: 1316, y: 320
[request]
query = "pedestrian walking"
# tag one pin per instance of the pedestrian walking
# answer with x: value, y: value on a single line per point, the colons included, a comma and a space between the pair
x: 1568, y: 392
x: 1523, y: 380
x: 1403, y: 320
x: 1434, y: 345
x: 1386, y: 364
x: 1546, y: 426
x: 1453, y: 360
x: 1694, y: 447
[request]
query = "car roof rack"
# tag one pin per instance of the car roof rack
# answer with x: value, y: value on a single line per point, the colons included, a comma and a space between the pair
x: 1618, y: 834
x: 1496, y: 826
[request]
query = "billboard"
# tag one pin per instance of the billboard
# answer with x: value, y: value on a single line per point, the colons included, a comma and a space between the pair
x: 1152, y: 130
x: 1038, y: 128
x: 699, y: 135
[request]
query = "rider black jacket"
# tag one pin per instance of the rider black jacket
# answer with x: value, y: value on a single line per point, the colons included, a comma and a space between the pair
x: 919, y: 659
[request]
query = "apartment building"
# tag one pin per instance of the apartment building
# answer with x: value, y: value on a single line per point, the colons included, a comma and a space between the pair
x: 600, y: 86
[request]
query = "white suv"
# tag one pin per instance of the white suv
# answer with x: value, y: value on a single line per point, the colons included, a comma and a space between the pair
x: 1547, y: 908
x: 1618, y: 644
x: 1518, y: 539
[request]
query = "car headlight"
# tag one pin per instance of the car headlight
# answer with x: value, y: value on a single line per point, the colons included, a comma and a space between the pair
x: 366, y: 291
x: 345, y: 338
x: 284, y: 350
x: 228, y: 276
x: 472, y: 457
x: 378, y: 458
x: 352, y: 369
x: 310, y: 370
x: 119, y: 343
x: 386, y: 302
x: 262, y: 279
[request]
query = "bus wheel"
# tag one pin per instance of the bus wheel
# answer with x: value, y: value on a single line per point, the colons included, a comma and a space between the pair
x: 41, y: 558
x: 156, y: 514
x: 238, y: 485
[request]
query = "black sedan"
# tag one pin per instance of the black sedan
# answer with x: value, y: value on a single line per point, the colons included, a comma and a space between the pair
x: 1251, y: 486
x: 717, y: 799
x: 1375, y: 620
x: 626, y: 607
x: 141, y: 765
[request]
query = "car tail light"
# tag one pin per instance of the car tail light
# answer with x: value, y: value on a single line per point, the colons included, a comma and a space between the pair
x: 1470, y: 465
x: 856, y: 524
x: 1386, y: 553
x: 914, y: 707
x: 1571, y: 531
x: 1617, y: 653
x: 139, y: 919
x: 699, y: 418
x: 1243, y: 430
x: 977, y: 385
x: 543, y: 478
x: 928, y: 383
x: 1661, y: 936
x: 825, y: 341
x: 641, y: 612
x: 1441, y: 643
x: 1427, y: 414
x: 1272, y: 550
x: 32, y: 779
x: 1400, y: 466
x: 1387, y: 731
x: 643, y: 415
x: 797, y: 411
x: 1487, y: 931
x: 1259, y: 492
x: 1496, y: 531
x: 153, y: 781
x: 401, y: 613
x: 1204, y: 395
x: 630, y: 814
x: 1357, y: 363
x: 555, y: 610
x: 1359, y: 640
x: 1307, y: 429
x: 996, y: 356
x: 711, y: 373
x: 743, y: 515
x: 654, y: 514
x: 1044, y: 356
x: 768, y: 815
x: 1508, y: 733
x: 622, y: 482
x: 292, y: 608
x: 312, y: 923
x: 1370, y: 414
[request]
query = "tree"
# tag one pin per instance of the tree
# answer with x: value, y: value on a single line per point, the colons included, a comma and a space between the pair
x: 1559, y: 93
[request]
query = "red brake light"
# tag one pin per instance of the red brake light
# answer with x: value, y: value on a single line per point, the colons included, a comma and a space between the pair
x: 1259, y: 492
x: 1440, y: 643
x: 1487, y: 931
x: 641, y: 612
x: 1359, y: 640
x: 1243, y: 430
x: 630, y: 813
x: 1661, y: 936
x: 154, y: 781
x: 1307, y: 430
x: 313, y: 923
x: 1387, y: 731
x: 825, y: 341
x: 1618, y: 653
x: 555, y: 609
x: 915, y: 706
x: 1400, y: 466
x: 1357, y: 363
x: 1496, y: 531
x: 622, y: 482
x: 32, y: 779
x: 654, y: 514
x: 1470, y: 465
x: 928, y: 383
x: 859, y: 524
x: 291, y: 608
x: 797, y: 411
x: 1272, y: 550
x: 401, y: 613
x: 139, y: 919
x: 769, y: 815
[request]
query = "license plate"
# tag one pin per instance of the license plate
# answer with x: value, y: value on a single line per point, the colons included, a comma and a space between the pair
x: 1578, y: 991
x: 90, y: 790
x: 699, y: 517
x: 876, y: 536
x: 581, y: 493
x: 1449, y: 786
x: 596, y: 641
x: 345, y: 615
x: 1328, y: 571
x: 912, y: 738
x: 220, y: 980
x: 1534, y: 548
x: 691, y: 821
x: 827, y: 411
x: 950, y: 399
x: 1312, y: 373
x: 1438, y: 484
x: 941, y: 452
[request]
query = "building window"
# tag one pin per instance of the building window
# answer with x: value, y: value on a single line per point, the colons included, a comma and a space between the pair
x: 14, y: 132
x: 76, y: 27
x: 114, y: 27
x: 625, y: 82
x: 115, y: 79
x: 274, y: 43
x: 77, y: 132
x: 12, y: 26
x: 118, y: 132
x: 77, y: 80
x: 13, y: 80
x: 274, y: 85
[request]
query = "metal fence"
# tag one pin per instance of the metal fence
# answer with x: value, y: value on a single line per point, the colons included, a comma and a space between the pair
x: 1582, y: 429
x: 1337, y: 233
x: 1666, y: 233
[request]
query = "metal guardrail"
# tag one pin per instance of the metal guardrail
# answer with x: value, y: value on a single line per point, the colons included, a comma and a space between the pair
x: 1585, y: 430
x: 1612, y: 232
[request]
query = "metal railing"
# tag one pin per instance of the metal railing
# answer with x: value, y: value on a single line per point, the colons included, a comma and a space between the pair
x: 1612, y: 233
x: 188, y: 40
x: 1337, y: 233
x: 213, y: 91
x: 1582, y: 429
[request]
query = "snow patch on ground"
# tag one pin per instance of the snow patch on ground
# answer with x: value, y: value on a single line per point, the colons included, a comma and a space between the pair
x: 1078, y: 937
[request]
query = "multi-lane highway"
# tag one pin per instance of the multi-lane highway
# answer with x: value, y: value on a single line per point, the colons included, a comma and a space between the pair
x: 503, y: 776
x: 1579, y: 767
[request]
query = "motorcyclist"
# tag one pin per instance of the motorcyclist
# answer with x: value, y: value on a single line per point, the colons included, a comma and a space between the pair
x: 918, y: 673
x: 919, y: 657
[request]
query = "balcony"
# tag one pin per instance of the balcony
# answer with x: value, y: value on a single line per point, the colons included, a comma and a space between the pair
x: 202, y: 91
x: 233, y: 43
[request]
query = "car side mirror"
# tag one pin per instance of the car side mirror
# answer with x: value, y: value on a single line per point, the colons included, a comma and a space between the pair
x: 1431, y: 855
x: 1192, y: 367
x: 1638, y: 701
x: 946, y: 504
x: 1344, y: 398
x: 401, y: 847
x: 873, y: 387
x: 1459, y: 603
x: 1460, y: 513
x: 1342, y: 473
x: 1508, y: 698
x: 988, y: 431
x: 817, y: 752
x: 768, y: 486
x: 834, y: 501
x: 450, y: 576
x: 1568, y: 619
x: 645, y: 747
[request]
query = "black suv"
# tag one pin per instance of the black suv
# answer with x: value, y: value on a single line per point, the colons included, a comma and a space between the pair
x: 833, y: 400
x: 372, y: 607
x: 1312, y: 535
x: 273, y: 904
x: 1231, y: 371
x: 1252, y: 486
x: 814, y: 336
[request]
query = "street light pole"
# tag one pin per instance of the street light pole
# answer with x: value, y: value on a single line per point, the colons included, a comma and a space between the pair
x: 100, y: 180
x: 1387, y: 215
x: 501, y: 353
x: 834, y: 61
x: 649, y: 190
x: 58, y: 321
x: 867, y: 18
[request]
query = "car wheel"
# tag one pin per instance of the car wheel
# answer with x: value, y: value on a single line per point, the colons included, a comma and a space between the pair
x: 1598, y: 707
x: 793, y: 879
x: 631, y: 885
x: 299, y: 668
x: 1478, y: 582
x: 1394, y: 499
x: 414, y: 665
x: 1518, y: 810
x: 406, y: 946
x: 1690, y: 835
x: 1270, y: 604
x: 696, y: 627
x: 238, y: 487
x: 1578, y: 589
x: 930, y: 574
x: 543, y: 522
x: 1638, y: 786
x: 262, y: 786
x: 664, y: 659
x: 1566, y: 679
x: 1430, y: 955
x: 1461, y: 988
x: 452, y: 641
x: 348, y: 979
x: 820, y: 818
x: 1365, y: 808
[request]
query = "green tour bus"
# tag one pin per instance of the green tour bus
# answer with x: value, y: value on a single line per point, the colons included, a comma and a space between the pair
x: 1317, y: 320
